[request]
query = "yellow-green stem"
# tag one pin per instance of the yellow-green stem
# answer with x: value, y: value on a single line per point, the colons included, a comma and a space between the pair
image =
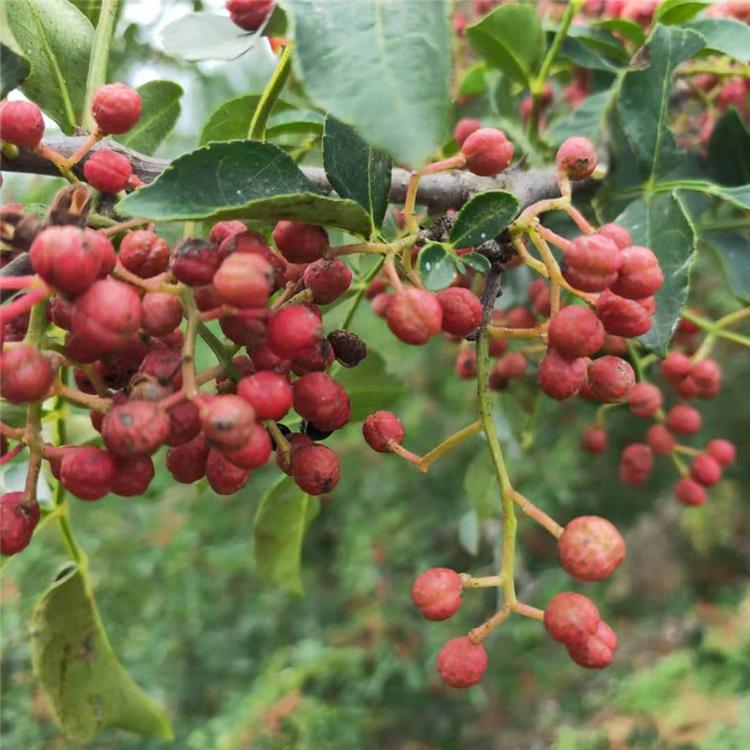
x: 270, y: 96
x: 449, y: 444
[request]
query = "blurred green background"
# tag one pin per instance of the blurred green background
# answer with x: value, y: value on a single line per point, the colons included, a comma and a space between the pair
x: 240, y: 664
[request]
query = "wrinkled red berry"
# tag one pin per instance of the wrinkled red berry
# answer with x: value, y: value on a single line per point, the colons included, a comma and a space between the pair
x: 293, y: 329
x: 227, y: 421
x: 509, y: 366
x: 722, y: 451
x: 223, y: 229
x: 299, y: 242
x: 618, y: 234
x: 135, y: 429
x: 17, y: 522
x: 224, y: 477
x: 462, y: 310
x: 636, y: 462
x: 87, y: 472
x: 107, y: 171
x: 464, y: 128
x: 462, y: 663
x: 380, y: 428
x: 322, y: 400
x: 414, y: 316
x: 640, y: 274
x: 187, y: 462
x: 645, y: 399
x: 327, y: 279
x: 269, y: 393
x: 683, y: 420
x: 597, y: 651
x: 592, y: 262
x: 133, y: 477
x: 21, y: 123
x: 571, y: 618
x: 610, y: 379
x: 116, y: 108
x: 195, y: 261
x: 561, y: 378
x: 25, y: 374
x: 244, y: 280
x: 437, y: 593
x: 144, y: 253
x: 315, y: 469
x: 622, y: 317
x: 184, y: 423
x: 161, y: 313
x: 675, y: 367
x: 590, y: 548
x: 317, y: 358
x: 244, y: 329
x: 690, y: 492
x: 576, y: 332
x: 255, y: 452
x: 487, y: 151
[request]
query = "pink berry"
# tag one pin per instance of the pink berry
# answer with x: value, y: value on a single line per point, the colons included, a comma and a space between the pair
x: 640, y: 274
x: 17, y: 522
x: 107, y: 171
x: 161, y: 313
x: 597, y: 651
x: 571, y: 618
x: 135, y: 429
x: 322, y: 400
x: 464, y: 128
x: 269, y: 393
x: 132, y: 477
x: 144, y: 253
x: 116, y: 108
x: 255, y: 452
x: 327, y: 279
x: 462, y: 663
x: 590, y: 548
x: 21, y: 123
x: 722, y: 451
x: 645, y: 399
x: 224, y: 477
x: 87, y: 472
x: 592, y: 262
x: 690, y: 492
x: 462, y: 310
x: 187, y: 462
x: 622, y: 317
x: 675, y: 367
x: 487, y: 151
x: 244, y: 280
x: 25, y: 374
x: 576, y: 158
x: 293, y: 329
x: 660, y: 439
x: 636, y: 462
x: 195, y: 261
x: 249, y: 14
x: 380, y: 428
x: 228, y: 421
x: 561, y: 378
x: 437, y: 593
x: 414, y: 316
x: 610, y: 379
x: 619, y: 235
x: 576, y: 332
x: 594, y: 439
x: 299, y: 242
x: 315, y: 469
x: 705, y: 469
x: 683, y: 420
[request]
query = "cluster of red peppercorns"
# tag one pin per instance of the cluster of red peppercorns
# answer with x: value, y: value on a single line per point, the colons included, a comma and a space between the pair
x: 590, y: 548
x: 119, y: 312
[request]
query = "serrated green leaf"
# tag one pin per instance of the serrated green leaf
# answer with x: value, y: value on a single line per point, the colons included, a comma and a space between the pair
x: 726, y: 35
x: 370, y: 386
x: 678, y: 11
x: 483, y: 217
x: 13, y: 71
x: 729, y: 150
x: 733, y: 249
x: 643, y: 105
x: 356, y: 60
x: 356, y: 170
x: 159, y: 113
x: 511, y: 39
x: 283, y: 516
x: 56, y: 38
x: 479, y: 263
x: 588, y: 120
x: 436, y: 267
x: 660, y: 222
x: 480, y: 486
x: 240, y: 179
x: 86, y: 686
x: 206, y: 36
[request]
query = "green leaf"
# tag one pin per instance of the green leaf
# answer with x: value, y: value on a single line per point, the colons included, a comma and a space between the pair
x: 381, y: 67
x: 737, y: 196
x: 483, y: 218
x: 678, y: 11
x: 644, y: 101
x: 436, y: 266
x: 206, y: 36
x: 469, y: 532
x: 511, y: 39
x: 599, y: 40
x: 56, y: 39
x: 356, y: 170
x: 659, y: 221
x: 86, y: 686
x: 473, y: 81
x: 278, y: 531
x: 733, y: 250
x: 240, y: 179
x: 480, y: 486
x: 726, y: 35
x: 480, y: 263
x: 588, y: 120
x: 729, y: 150
x: 13, y: 71
x: 161, y: 108
x: 629, y: 29
x: 586, y: 57
x: 370, y: 386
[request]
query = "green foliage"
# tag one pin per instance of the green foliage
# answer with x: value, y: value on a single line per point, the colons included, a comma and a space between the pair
x: 86, y: 686
x: 206, y: 36
x: 483, y: 218
x: 15, y: 69
x: 356, y: 61
x: 56, y: 37
x: 248, y: 180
